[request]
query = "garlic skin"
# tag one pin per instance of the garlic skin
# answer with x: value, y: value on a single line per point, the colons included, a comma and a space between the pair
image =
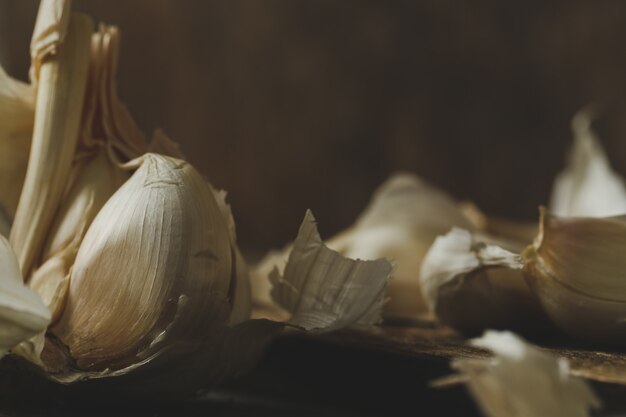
x: 522, y: 380
x: 471, y: 286
x: 156, y: 257
x: 62, y: 78
x: 323, y: 290
x: 577, y: 270
x: 17, y: 103
x: 22, y: 313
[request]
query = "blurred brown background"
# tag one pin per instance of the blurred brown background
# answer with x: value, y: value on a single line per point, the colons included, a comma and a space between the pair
x: 311, y: 104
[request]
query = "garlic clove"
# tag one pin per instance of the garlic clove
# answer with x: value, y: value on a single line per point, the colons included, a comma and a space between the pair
x: 471, y: 286
x: 576, y: 268
x: 155, y: 258
x: 22, y: 313
x: 588, y: 186
x: 522, y: 380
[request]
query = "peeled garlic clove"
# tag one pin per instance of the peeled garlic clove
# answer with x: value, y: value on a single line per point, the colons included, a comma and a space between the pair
x: 471, y: 286
x: 588, y: 186
x: 155, y: 259
x: 577, y: 269
x: 17, y: 102
x: 522, y: 380
x: 22, y: 314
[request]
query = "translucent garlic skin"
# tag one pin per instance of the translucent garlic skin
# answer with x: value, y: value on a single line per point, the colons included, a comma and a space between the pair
x: 154, y: 273
x: 577, y: 269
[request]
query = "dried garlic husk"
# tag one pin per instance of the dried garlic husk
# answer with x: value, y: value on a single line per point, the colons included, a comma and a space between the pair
x: 522, y: 380
x: 577, y: 269
x: 400, y: 223
x: 17, y: 102
x: 340, y: 283
x: 472, y: 285
x: 61, y: 73
x: 22, y: 313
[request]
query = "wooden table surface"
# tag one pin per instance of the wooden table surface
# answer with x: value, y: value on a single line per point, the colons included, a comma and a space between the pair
x: 386, y: 371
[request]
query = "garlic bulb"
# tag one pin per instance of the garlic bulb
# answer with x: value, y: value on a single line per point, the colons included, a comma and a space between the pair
x: 471, y: 286
x: 137, y: 260
x: 576, y: 268
x: 522, y: 380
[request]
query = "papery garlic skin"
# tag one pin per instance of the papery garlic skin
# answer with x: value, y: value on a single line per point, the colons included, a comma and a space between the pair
x: 62, y: 80
x: 577, y: 268
x: 22, y: 313
x: 472, y: 286
x: 17, y: 103
x: 323, y: 290
x: 521, y: 380
x: 156, y: 258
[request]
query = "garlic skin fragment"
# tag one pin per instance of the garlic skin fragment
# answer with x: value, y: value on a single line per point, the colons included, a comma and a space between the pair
x: 577, y: 270
x: 17, y: 112
x: 521, y: 380
x: 323, y: 290
x: 22, y: 313
x: 471, y: 286
x: 155, y: 259
x: 400, y: 223
x: 588, y: 186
